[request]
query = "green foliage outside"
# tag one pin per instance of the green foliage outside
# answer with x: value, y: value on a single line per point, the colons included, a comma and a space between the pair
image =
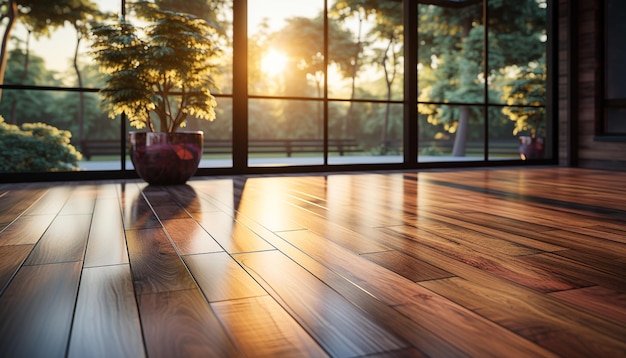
x: 36, y: 147
x: 452, y: 55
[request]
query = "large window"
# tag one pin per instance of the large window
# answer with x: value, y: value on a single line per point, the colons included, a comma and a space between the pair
x: 329, y: 84
x: 481, y: 90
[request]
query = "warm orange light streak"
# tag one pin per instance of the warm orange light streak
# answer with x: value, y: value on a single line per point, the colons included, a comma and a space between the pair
x: 273, y: 63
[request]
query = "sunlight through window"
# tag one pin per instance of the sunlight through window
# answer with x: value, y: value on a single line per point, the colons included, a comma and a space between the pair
x: 274, y: 63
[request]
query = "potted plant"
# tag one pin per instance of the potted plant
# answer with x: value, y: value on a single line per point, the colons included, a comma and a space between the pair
x: 159, y: 75
x: 530, y: 127
x: 526, y: 95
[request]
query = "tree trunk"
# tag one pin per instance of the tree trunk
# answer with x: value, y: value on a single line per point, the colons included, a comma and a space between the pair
x: 347, y: 126
x: 320, y: 108
x: 12, y: 15
x: 460, y: 139
x: 81, y: 94
x: 389, y: 78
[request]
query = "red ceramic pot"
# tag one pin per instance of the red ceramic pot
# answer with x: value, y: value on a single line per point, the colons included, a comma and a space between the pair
x: 165, y: 158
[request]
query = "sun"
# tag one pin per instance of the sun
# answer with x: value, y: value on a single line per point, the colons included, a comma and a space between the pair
x: 273, y: 63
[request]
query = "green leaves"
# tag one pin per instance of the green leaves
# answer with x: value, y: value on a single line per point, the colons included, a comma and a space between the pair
x: 161, y: 68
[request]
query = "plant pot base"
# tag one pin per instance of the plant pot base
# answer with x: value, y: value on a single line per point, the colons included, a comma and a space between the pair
x: 531, y: 148
x: 166, y: 158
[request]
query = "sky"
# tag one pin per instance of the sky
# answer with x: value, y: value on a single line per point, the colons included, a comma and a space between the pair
x: 59, y: 49
x: 278, y: 10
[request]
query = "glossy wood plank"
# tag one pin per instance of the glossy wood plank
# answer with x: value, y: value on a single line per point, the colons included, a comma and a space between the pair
x: 14, y: 201
x: 189, y: 237
x: 223, y: 193
x: 619, y: 236
x: 136, y: 212
x: 532, y: 318
x: 476, y: 240
x: 51, y: 202
x: 11, y: 258
x: 106, y: 322
x: 81, y: 201
x: 261, y: 328
x: 620, y: 231
x: 338, y: 233
x: 188, y: 198
x: 164, y: 206
x: 36, y: 311
x: 107, y: 190
x: 383, y: 314
x: 576, y: 270
x: 485, y: 279
x: 64, y: 241
x: 181, y: 324
x: 341, y: 328
x: 493, y: 225
x: 592, y: 259
x: 407, y: 266
x: 488, y: 216
x: 266, y: 204
x: 545, y: 215
x: 608, y: 303
x: 584, y: 243
x: 510, y: 268
x: 233, y: 236
x: 26, y: 230
x: 107, y: 242
x: 221, y: 278
x: 468, y: 331
x: 155, y: 265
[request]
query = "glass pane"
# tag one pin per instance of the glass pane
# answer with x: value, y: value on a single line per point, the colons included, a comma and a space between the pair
x: 285, y: 132
x: 285, y: 48
x: 517, y: 53
x: 450, y: 54
x: 450, y: 133
x: 89, y: 131
x: 503, y: 136
x: 218, y: 136
x: 616, y: 120
x: 364, y: 132
x: 365, y: 50
x: 450, y: 69
x: 615, y: 73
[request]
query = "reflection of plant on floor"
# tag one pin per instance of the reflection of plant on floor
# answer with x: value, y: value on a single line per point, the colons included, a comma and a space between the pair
x: 36, y: 147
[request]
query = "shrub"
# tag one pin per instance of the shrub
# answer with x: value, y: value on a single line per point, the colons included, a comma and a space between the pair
x: 36, y: 147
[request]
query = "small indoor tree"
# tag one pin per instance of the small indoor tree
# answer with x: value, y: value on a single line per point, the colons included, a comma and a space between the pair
x: 161, y: 74
x: 526, y: 96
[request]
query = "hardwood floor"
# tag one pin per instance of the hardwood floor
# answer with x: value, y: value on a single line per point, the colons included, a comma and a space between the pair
x: 505, y: 262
